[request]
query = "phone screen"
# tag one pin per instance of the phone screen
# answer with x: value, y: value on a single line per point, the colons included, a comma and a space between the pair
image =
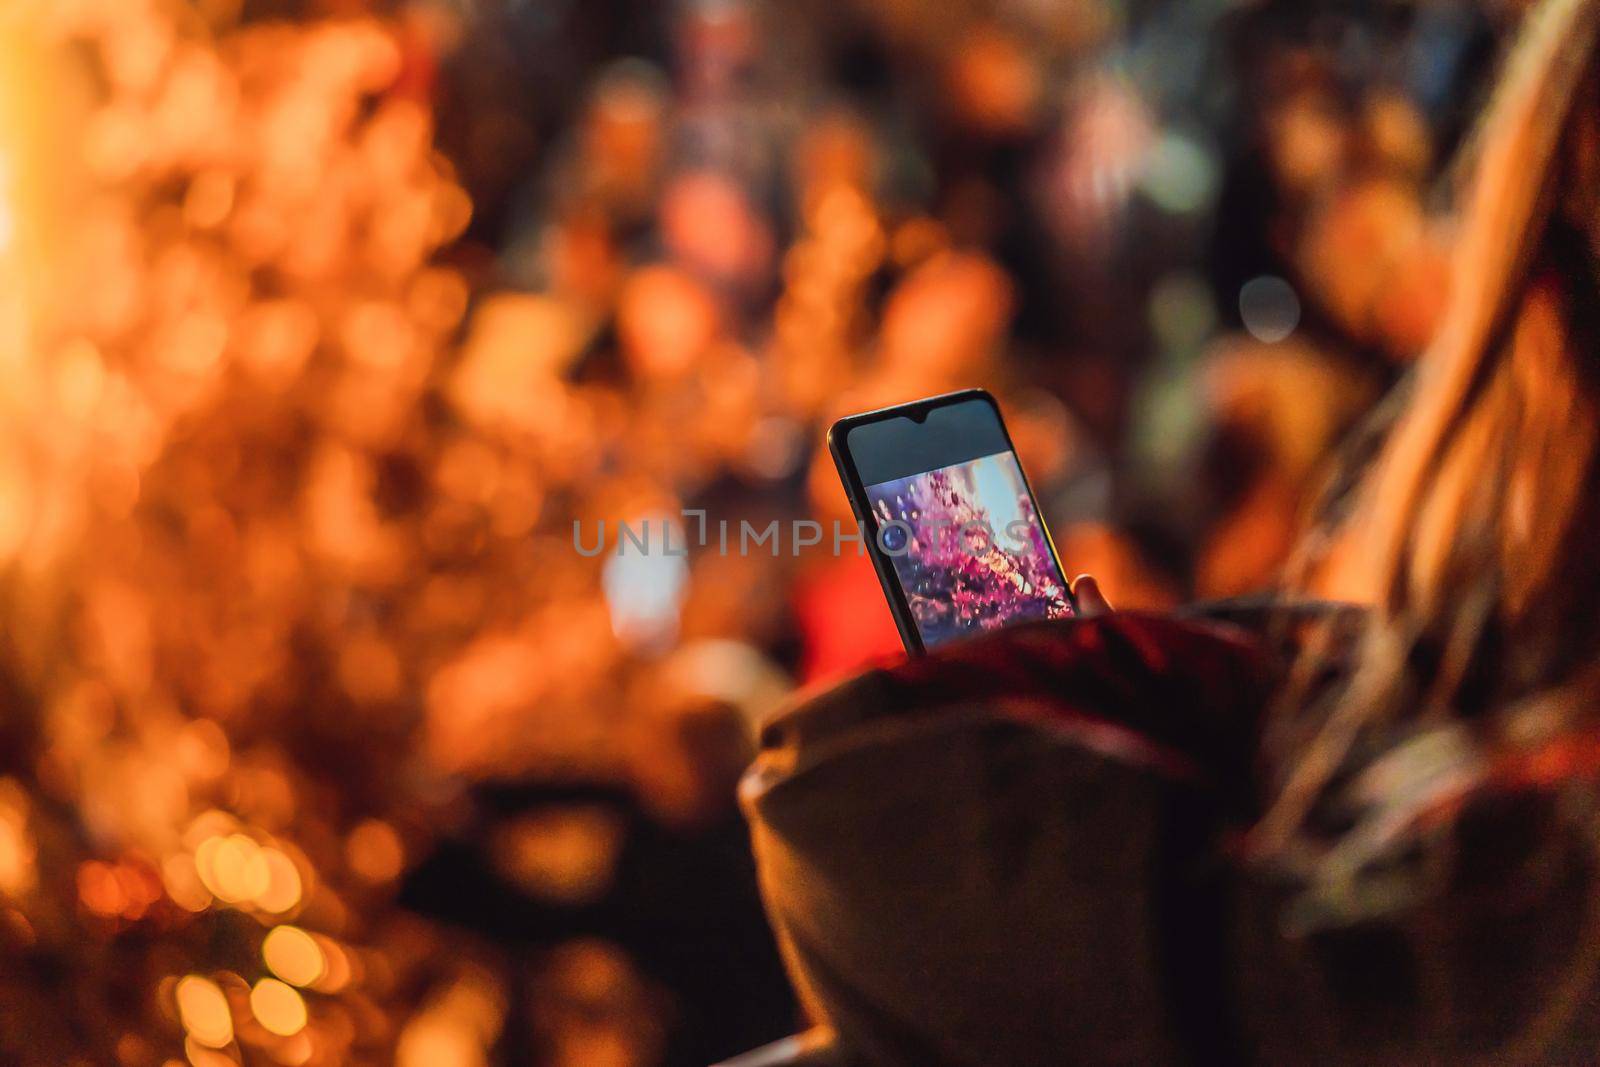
x: 952, y: 513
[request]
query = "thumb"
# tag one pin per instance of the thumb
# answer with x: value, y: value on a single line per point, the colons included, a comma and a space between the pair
x: 1091, y: 601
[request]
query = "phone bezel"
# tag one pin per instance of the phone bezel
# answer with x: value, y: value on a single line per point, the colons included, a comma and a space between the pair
x: 917, y: 411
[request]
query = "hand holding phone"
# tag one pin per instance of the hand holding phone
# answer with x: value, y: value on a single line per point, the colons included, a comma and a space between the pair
x: 950, y: 521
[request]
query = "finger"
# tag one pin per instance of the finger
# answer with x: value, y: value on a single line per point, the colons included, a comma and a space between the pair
x: 1091, y: 601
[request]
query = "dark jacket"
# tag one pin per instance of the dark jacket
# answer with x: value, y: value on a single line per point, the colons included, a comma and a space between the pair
x: 1025, y: 850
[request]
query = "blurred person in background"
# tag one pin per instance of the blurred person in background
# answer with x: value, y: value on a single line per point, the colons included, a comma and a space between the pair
x: 1347, y: 835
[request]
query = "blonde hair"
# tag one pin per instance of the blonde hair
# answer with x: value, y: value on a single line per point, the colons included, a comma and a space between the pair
x: 1475, y: 532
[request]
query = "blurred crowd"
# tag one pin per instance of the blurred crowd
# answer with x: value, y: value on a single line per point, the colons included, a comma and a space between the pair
x: 323, y: 321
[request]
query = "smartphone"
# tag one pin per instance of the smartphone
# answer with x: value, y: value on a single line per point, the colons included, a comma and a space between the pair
x: 948, y: 518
